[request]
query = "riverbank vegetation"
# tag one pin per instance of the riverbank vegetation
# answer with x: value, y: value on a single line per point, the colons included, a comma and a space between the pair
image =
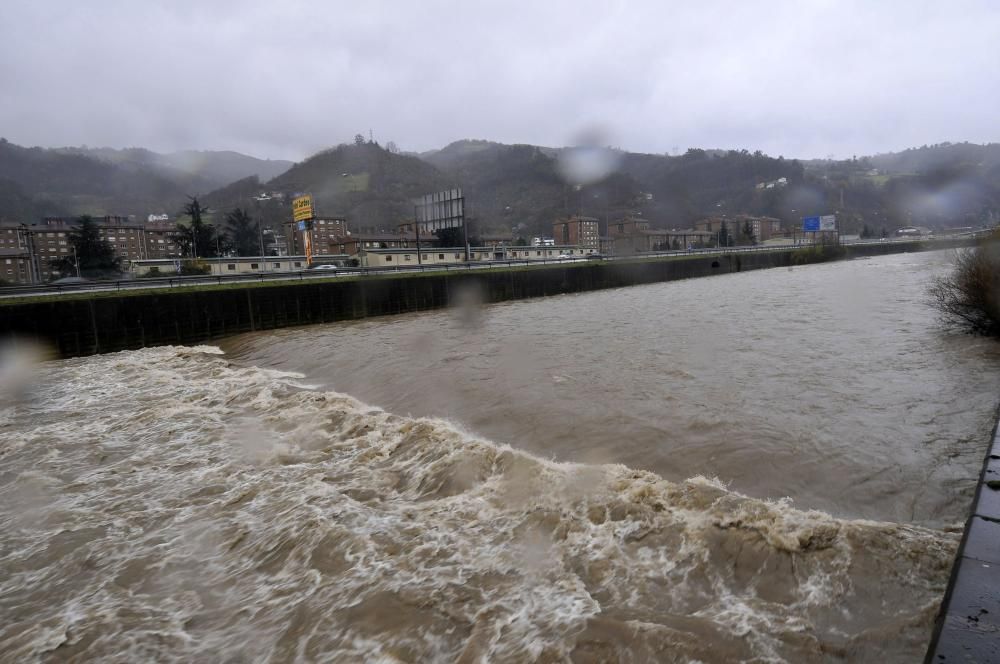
x: 970, y: 295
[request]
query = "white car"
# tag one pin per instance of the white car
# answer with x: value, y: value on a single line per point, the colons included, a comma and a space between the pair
x: 332, y: 268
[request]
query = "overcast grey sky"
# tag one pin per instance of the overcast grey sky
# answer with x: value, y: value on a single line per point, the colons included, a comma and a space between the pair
x: 285, y: 78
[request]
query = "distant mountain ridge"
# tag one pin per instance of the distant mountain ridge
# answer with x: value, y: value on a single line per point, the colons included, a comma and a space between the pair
x: 37, y: 182
x: 517, y: 189
x: 949, y: 184
x: 212, y: 168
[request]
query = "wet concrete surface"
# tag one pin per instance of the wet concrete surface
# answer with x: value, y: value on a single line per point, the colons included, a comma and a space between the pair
x: 968, y: 626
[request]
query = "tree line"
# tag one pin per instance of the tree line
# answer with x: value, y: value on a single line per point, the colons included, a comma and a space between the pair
x: 201, y: 239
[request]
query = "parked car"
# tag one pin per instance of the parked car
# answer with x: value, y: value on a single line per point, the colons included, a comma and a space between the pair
x: 331, y: 268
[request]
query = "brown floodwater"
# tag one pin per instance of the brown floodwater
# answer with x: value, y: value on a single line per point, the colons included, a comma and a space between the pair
x: 768, y: 466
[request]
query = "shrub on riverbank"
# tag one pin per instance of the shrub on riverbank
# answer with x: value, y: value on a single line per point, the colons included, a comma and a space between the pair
x: 970, y: 295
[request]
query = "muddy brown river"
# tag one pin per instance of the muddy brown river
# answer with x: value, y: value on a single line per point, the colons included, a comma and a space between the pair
x: 762, y: 467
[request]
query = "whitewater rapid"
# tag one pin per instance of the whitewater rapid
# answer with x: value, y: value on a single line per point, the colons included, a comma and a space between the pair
x: 170, y: 505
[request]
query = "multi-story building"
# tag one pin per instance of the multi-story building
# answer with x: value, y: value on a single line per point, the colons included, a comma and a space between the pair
x: 327, y: 234
x: 45, y: 243
x: 627, y: 226
x: 762, y: 228
x: 578, y: 232
x: 634, y: 236
x: 48, y: 241
x: 159, y: 240
x: 15, y: 266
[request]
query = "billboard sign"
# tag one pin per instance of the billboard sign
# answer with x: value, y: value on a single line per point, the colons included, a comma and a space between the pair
x: 302, y: 208
x: 444, y: 209
x: 810, y: 224
x: 828, y: 222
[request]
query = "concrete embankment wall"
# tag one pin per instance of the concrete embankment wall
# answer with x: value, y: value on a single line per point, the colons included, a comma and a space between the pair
x: 968, y: 623
x: 74, y: 326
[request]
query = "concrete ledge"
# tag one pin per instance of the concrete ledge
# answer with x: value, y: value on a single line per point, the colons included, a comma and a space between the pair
x: 967, y: 628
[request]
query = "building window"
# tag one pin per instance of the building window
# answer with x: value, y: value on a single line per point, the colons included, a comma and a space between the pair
x: 277, y: 266
x: 254, y: 266
x: 406, y: 257
x: 388, y: 259
x: 298, y: 263
x: 457, y: 256
x: 538, y: 253
x: 231, y: 266
x: 440, y: 257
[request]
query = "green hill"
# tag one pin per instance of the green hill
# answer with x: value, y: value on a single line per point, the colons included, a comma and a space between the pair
x: 372, y: 187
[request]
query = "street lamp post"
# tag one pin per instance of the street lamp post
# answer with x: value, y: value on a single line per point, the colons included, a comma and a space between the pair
x: 76, y: 262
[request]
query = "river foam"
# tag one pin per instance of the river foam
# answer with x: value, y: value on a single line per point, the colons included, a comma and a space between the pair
x: 167, y: 504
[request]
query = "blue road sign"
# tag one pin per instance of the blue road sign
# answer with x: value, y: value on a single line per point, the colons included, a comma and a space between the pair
x: 810, y: 224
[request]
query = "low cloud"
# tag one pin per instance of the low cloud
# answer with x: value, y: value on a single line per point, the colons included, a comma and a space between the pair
x: 283, y: 80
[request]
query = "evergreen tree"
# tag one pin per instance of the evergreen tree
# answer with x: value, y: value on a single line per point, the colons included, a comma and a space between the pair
x: 93, y: 254
x: 724, y: 235
x: 242, y: 233
x: 198, y: 239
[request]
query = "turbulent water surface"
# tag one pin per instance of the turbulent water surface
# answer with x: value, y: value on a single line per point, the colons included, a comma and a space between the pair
x: 768, y: 466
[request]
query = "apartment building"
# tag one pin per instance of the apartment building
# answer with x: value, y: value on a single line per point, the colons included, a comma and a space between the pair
x: 577, y: 231
x: 15, y: 266
x: 762, y: 228
x: 327, y: 234
x: 48, y: 240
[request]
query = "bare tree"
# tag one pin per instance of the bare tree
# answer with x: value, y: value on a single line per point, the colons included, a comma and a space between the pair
x: 970, y: 294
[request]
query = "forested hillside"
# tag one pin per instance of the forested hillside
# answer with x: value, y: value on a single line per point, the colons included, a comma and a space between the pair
x: 518, y: 188
x: 370, y: 185
x: 39, y: 182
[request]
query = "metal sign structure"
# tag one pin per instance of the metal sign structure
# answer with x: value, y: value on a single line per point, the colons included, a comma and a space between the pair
x: 825, y: 223
x: 302, y: 208
x: 302, y: 216
x: 443, y: 209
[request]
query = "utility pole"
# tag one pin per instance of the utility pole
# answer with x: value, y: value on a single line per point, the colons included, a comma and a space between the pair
x: 29, y: 244
x: 416, y: 229
x: 260, y: 231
